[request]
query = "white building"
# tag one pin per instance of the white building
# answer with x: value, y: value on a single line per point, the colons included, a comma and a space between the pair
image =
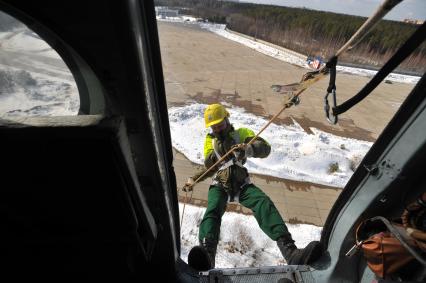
x: 165, y: 12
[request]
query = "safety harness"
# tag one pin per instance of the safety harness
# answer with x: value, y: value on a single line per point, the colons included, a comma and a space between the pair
x: 233, y: 196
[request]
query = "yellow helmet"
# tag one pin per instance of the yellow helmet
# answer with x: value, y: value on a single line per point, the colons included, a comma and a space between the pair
x: 214, y: 114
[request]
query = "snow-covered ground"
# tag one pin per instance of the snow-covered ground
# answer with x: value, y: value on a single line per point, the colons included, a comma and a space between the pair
x: 320, y: 158
x: 36, y: 94
x: 242, y: 243
x: 25, y: 40
x: 283, y: 54
x: 295, y: 155
x: 34, y: 80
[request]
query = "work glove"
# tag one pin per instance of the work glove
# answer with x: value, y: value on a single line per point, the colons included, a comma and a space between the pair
x: 243, y: 151
x: 188, y: 185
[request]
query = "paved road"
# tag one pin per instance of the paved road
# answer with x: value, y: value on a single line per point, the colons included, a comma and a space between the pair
x: 201, y: 66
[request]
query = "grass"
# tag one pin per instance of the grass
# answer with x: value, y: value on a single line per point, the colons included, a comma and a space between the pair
x: 333, y: 167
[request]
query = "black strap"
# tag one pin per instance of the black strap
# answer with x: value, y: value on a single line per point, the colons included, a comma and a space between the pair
x: 404, y: 51
x: 331, y: 89
x: 331, y: 65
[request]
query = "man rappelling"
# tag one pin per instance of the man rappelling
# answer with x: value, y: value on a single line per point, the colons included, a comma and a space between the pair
x: 231, y: 183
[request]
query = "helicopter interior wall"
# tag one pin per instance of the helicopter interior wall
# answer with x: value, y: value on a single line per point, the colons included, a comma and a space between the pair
x: 391, y: 205
x: 105, y: 37
x: 68, y: 207
x: 384, y: 191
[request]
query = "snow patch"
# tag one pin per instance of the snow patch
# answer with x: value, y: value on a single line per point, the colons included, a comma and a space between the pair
x: 25, y: 40
x: 295, y: 154
x: 241, y: 242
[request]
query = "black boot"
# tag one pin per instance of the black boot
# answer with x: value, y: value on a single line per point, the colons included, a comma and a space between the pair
x: 295, y: 256
x: 202, y: 257
x: 211, y: 247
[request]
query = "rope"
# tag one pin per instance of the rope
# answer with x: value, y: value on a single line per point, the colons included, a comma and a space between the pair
x: 368, y: 25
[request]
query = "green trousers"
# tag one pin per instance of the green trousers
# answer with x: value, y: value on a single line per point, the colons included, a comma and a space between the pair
x: 264, y: 210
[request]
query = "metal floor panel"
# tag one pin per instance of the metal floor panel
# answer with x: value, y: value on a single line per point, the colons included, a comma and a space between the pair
x: 268, y: 274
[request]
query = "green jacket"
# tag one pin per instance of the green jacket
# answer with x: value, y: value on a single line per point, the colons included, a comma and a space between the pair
x: 233, y: 176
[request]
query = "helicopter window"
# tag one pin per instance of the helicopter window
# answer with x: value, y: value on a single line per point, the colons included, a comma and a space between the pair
x: 215, y: 53
x: 34, y: 80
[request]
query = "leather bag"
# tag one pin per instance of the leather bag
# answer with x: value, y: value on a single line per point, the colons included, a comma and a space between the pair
x: 385, y: 254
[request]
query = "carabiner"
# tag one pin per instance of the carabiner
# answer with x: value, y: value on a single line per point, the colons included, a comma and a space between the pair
x: 332, y: 119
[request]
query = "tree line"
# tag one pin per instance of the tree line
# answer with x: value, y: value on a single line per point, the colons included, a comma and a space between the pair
x: 308, y: 31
